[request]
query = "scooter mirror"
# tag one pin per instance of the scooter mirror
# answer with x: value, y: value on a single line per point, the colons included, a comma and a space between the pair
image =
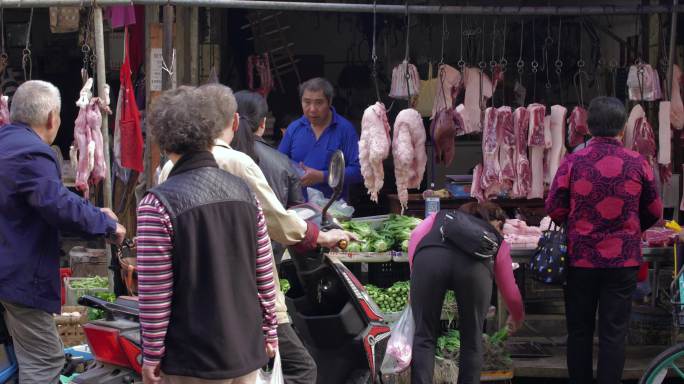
x: 335, y: 182
x: 336, y: 171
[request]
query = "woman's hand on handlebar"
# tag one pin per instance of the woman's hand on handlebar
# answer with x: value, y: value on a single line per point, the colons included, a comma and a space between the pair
x: 334, y: 237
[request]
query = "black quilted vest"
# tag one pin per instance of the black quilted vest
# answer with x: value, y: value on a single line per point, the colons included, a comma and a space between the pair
x: 215, y: 326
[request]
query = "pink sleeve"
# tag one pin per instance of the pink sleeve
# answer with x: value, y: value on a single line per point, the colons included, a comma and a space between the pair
x: 417, y: 235
x: 503, y: 274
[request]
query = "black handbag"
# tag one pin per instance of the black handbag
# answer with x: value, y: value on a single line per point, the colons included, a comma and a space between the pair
x: 548, y: 264
x: 470, y: 234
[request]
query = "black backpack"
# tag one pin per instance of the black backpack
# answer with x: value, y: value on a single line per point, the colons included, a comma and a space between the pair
x: 470, y: 234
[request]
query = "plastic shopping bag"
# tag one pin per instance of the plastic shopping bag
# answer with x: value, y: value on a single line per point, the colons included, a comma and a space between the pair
x: 275, y: 376
x: 398, y: 353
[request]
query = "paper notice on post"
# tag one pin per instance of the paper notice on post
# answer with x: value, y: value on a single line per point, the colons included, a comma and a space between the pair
x: 157, y: 59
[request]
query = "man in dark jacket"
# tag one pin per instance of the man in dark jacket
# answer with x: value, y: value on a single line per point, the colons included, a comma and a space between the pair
x: 34, y: 206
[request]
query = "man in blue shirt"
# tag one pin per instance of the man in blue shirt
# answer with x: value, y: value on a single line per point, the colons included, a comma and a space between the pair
x: 311, y: 140
x: 34, y: 206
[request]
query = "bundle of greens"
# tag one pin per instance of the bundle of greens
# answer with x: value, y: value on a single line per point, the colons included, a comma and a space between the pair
x: 96, y: 314
x: 392, y: 299
x: 89, y: 282
x: 284, y: 285
x: 495, y: 356
x: 393, y: 234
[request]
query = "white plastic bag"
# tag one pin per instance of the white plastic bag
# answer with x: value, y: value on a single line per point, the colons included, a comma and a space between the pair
x: 399, y: 347
x: 273, y: 377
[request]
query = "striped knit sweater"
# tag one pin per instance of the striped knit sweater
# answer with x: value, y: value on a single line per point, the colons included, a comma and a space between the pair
x: 155, y: 277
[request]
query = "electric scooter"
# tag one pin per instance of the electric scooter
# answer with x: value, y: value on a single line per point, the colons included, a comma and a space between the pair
x: 341, y: 326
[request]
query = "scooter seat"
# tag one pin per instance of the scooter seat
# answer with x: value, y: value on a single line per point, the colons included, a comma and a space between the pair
x: 127, y: 301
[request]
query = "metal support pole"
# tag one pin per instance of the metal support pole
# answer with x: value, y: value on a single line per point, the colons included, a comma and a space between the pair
x: 167, y: 48
x: 101, y: 92
x: 194, y: 46
x: 367, y: 8
x: 673, y: 44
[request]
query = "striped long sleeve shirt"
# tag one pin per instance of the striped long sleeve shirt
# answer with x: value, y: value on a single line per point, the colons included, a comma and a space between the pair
x: 155, y: 277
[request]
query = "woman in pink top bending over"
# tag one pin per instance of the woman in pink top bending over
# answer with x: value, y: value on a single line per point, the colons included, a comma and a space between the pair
x: 438, y: 265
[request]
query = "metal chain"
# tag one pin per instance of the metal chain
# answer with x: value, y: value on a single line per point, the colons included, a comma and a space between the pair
x: 521, y: 64
x: 613, y: 65
x: 559, y: 63
x: 444, y: 36
x: 535, y: 63
x: 407, y: 75
x: 374, y: 55
x: 548, y: 42
x: 502, y: 61
x: 492, y: 62
x: 26, y: 61
x: 482, y: 64
x: 461, y: 63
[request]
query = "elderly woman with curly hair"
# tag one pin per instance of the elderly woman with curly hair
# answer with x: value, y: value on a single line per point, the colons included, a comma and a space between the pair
x: 207, y: 300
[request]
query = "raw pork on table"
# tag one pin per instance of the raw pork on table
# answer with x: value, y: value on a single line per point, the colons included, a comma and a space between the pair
x: 374, y: 147
x: 408, y: 151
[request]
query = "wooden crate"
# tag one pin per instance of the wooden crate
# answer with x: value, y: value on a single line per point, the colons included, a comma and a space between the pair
x: 70, y: 327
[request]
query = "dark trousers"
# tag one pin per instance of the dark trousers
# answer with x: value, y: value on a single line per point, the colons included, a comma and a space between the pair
x: 610, y: 290
x: 298, y: 365
x: 434, y: 271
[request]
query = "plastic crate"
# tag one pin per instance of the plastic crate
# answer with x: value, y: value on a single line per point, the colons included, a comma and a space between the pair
x: 383, y: 275
x: 72, y: 294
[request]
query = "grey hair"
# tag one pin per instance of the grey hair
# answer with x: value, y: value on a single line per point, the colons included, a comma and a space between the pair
x: 179, y: 124
x: 220, y: 102
x: 315, y: 85
x: 33, y: 101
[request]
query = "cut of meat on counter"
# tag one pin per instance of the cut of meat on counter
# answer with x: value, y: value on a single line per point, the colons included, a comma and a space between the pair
x: 401, y: 87
x: 444, y: 128
x: 506, y: 130
x: 635, y: 114
x: 677, y: 111
x: 4, y: 110
x: 374, y: 147
x: 658, y: 237
x: 523, y: 176
x: 490, y: 153
x: 577, y: 126
x: 449, y: 86
x: 643, y: 83
x: 478, y: 88
x: 521, y: 236
x: 408, y: 151
x: 557, y: 151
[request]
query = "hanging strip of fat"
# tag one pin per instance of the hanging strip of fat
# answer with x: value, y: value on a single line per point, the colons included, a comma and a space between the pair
x: 664, y: 134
